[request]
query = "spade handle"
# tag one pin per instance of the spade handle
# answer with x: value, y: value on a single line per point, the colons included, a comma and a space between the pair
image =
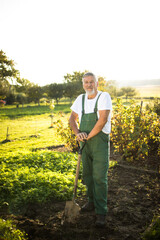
x: 77, y: 171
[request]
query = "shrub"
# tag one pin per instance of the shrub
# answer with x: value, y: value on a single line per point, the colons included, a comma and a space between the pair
x: 135, y: 133
x: 67, y: 135
x: 154, y: 106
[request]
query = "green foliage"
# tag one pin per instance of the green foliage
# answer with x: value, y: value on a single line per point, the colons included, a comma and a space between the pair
x: 72, y: 89
x: 30, y: 110
x: 135, y: 133
x: 55, y: 91
x: 37, y: 177
x: 128, y: 92
x: 7, y: 72
x: 107, y: 86
x: 8, y: 231
x: 153, y: 232
x: 74, y: 82
x: 154, y: 106
x: 35, y: 93
x: 67, y: 135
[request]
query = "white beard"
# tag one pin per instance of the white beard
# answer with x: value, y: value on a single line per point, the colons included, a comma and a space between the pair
x: 90, y: 92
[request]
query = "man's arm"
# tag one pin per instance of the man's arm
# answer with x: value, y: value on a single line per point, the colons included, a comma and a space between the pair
x: 103, y: 117
x: 74, y: 126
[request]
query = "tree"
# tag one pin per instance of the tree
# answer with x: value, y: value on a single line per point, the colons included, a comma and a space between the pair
x: 4, y: 88
x: 70, y: 90
x: 76, y: 79
x: 8, y: 73
x: 21, y: 98
x: 102, y: 83
x: 55, y: 91
x: 23, y: 85
x: 128, y: 92
x: 35, y: 93
x: 107, y: 86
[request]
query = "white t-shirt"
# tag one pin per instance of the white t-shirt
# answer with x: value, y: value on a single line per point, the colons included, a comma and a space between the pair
x: 104, y: 103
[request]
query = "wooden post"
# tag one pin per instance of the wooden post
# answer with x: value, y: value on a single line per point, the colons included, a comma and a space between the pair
x: 7, y: 135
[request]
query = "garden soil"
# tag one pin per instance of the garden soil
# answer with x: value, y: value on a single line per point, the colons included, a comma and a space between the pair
x: 133, y: 200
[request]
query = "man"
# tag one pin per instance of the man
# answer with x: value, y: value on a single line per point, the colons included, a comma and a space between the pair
x: 94, y: 112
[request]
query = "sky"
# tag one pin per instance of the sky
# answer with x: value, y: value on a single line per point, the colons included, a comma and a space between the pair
x: 115, y: 39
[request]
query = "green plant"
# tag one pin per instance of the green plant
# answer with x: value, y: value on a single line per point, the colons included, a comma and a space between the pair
x: 37, y: 177
x: 8, y: 231
x: 135, y: 132
x: 67, y: 135
x: 154, y: 106
x: 153, y: 232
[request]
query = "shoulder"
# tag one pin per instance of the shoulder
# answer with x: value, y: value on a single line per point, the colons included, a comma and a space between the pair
x: 77, y: 102
x: 105, y: 101
x: 104, y: 95
x: 79, y: 98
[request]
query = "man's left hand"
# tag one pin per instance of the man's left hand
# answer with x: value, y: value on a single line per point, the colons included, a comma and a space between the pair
x: 82, y: 136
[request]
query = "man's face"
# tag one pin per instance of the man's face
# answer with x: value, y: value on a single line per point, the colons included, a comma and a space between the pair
x: 89, y: 85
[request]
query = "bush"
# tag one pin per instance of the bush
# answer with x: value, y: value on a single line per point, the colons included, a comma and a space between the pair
x: 67, y: 135
x: 135, y: 133
x: 155, y: 106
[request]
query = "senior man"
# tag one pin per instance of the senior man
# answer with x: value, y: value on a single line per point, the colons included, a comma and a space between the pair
x: 93, y: 110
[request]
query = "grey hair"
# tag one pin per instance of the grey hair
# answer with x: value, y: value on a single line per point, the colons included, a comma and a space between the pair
x: 89, y: 74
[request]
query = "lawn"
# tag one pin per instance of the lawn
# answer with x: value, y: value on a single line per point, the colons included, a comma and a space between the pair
x: 29, y: 128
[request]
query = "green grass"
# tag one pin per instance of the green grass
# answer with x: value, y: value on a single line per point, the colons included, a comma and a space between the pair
x: 29, y: 128
x: 13, y: 112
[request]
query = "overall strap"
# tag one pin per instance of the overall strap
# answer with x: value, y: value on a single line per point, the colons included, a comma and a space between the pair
x: 83, y: 98
x: 95, y: 108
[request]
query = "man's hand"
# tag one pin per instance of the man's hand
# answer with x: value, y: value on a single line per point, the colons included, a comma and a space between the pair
x: 82, y: 136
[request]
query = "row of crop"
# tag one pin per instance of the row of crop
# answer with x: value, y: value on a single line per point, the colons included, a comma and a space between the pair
x: 37, y: 177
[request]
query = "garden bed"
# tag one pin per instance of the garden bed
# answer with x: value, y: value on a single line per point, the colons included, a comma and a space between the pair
x: 133, y: 200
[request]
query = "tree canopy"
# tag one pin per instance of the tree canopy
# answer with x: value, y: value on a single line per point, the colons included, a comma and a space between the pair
x: 19, y: 90
x: 8, y: 73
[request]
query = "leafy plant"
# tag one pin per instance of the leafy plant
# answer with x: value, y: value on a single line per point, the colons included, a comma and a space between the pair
x: 135, y: 133
x: 67, y: 135
x: 37, y: 177
x: 8, y: 231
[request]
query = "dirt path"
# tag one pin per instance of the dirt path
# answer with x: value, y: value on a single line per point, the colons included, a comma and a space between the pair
x: 133, y: 200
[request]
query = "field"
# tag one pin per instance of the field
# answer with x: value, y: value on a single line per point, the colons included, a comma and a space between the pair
x: 37, y: 175
x: 148, y: 90
x: 29, y: 127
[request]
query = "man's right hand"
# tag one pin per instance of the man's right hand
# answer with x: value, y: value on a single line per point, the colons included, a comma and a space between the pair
x: 82, y: 136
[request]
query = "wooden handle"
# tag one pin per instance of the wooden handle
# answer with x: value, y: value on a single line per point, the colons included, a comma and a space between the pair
x: 77, y: 175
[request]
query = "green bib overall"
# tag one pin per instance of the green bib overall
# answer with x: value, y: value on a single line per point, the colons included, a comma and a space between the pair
x: 95, y: 159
